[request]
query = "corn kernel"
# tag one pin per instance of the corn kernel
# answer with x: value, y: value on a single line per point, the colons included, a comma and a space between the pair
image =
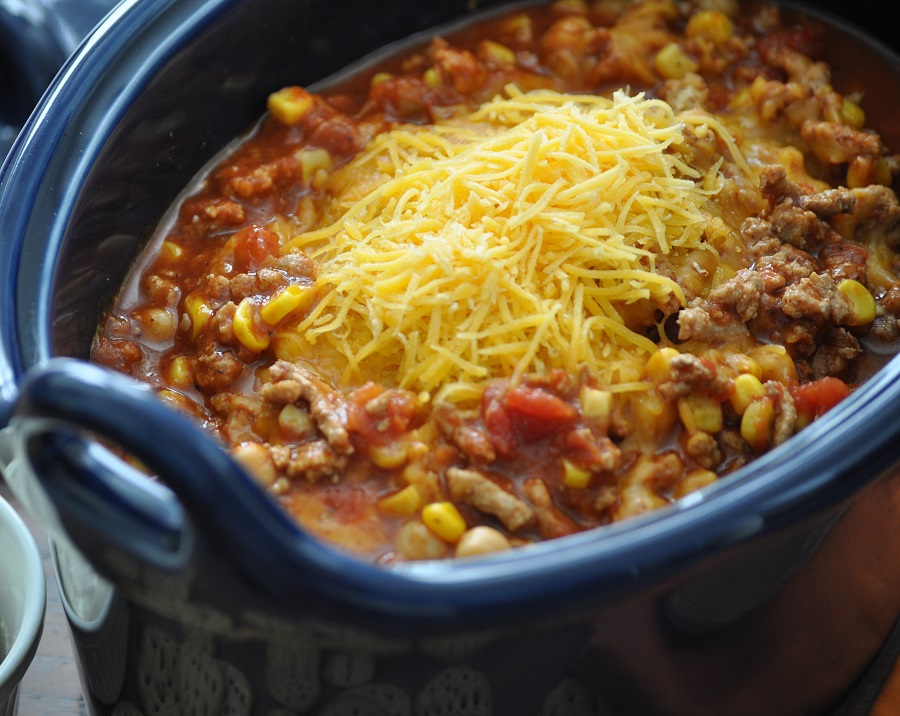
x: 860, y: 302
x: 694, y: 480
x: 653, y: 416
x: 288, y: 300
x: 774, y: 363
x: 403, y: 503
x: 741, y: 363
x: 757, y: 423
x: 747, y: 388
x: 171, y: 251
x: 200, y: 314
x: 481, y: 540
x: 700, y: 412
x: 575, y: 477
x: 290, y: 104
x: 659, y: 365
x: 852, y: 114
x: 380, y: 77
x: 390, y: 456
x: 496, y: 54
x: 595, y: 403
x: 432, y: 77
x: 180, y: 374
x: 444, y: 521
x: 711, y: 24
x: 313, y: 160
x: 246, y: 330
x: 673, y: 63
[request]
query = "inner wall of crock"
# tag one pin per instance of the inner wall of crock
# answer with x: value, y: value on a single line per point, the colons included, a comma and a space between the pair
x: 204, y: 96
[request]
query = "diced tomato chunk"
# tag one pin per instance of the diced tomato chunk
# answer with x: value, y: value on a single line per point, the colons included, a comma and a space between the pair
x: 383, y: 421
x: 817, y: 397
x: 252, y: 246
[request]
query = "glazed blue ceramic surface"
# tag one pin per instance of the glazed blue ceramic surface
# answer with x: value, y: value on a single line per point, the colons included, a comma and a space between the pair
x: 773, y: 591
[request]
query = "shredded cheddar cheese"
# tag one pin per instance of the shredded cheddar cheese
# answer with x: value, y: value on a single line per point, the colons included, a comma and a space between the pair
x: 510, y: 241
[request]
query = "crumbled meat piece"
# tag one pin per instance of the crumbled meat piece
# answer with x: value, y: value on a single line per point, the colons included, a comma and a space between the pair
x: 703, y: 448
x: 877, y: 216
x: 596, y: 453
x: 690, y: 374
x: 642, y: 485
x: 815, y: 297
x: 290, y: 383
x: 311, y: 461
x: 836, y: 354
x: 551, y: 521
x: 471, y: 487
x: 707, y: 322
x: 741, y: 293
x: 206, y: 215
x: 785, y: 412
x: 466, y: 434
x: 842, y: 260
x: 217, y: 371
x: 835, y: 143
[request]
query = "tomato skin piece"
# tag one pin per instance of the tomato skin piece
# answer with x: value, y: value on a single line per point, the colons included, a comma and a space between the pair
x: 814, y: 399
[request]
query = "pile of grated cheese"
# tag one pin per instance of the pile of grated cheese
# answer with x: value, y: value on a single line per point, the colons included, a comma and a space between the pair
x: 508, y: 241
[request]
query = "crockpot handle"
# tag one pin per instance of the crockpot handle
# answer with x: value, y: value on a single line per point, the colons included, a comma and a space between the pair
x: 65, y: 404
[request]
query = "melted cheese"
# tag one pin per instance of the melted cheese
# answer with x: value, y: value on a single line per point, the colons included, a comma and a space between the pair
x: 509, y: 241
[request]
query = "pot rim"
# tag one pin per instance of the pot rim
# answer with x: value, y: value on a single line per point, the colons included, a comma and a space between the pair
x: 820, y: 468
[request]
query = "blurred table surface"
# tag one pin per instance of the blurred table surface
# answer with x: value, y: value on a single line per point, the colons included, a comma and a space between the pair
x: 50, y: 686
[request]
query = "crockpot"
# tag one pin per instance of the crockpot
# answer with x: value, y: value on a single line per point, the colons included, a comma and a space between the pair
x: 774, y: 591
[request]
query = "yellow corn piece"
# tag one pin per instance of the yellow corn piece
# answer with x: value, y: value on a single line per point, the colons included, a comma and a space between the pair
x: 694, y: 480
x: 432, y: 77
x: 653, y: 416
x: 673, y: 63
x: 290, y: 104
x: 390, y: 456
x: 380, y: 77
x: 200, y: 314
x: 860, y: 302
x: 852, y: 114
x: 444, y: 521
x: 714, y: 25
x: 595, y: 403
x: 774, y: 363
x: 403, y: 503
x: 747, y: 388
x: 171, y: 251
x: 313, y: 160
x: 288, y: 300
x: 659, y: 365
x: 757, y: 423
x: 180, y: 374
x: 496, y: 54
x: 574, y: 476
x: 700, y: 412
x: 246, y: 330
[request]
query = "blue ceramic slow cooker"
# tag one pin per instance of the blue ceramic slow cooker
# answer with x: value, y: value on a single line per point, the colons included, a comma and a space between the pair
x: 775, y: 591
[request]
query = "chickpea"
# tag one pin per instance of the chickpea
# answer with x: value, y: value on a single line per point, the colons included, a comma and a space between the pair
x: 481, y: 540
